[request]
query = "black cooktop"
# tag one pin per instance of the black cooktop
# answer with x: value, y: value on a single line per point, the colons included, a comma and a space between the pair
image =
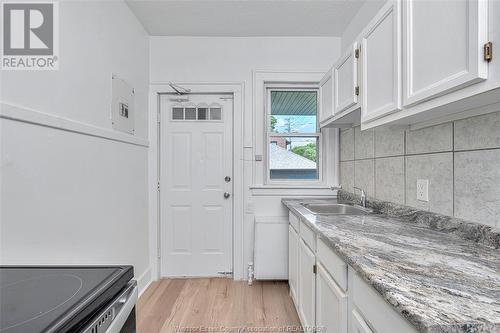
x: 56, y: 299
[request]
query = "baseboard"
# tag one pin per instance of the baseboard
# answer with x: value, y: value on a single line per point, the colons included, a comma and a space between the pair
x: 144, y: 281
x: 35, y: 117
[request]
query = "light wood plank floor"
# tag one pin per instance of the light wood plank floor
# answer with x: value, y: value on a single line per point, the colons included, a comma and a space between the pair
x: 176, y: 305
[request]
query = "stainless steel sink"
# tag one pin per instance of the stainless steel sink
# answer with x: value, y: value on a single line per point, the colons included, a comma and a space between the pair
x: 336, y: 209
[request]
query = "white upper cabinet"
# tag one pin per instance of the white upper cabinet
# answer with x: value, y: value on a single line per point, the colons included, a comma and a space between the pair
x: 443, y: 47
x: 345, y: 86
x: 381, y: 63
x: 326, y: 97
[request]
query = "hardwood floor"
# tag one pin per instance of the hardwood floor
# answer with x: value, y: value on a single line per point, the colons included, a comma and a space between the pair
x: 215, y: 305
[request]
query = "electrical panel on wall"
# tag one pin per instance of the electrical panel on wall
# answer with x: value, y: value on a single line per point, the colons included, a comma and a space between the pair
x: 122, y: 107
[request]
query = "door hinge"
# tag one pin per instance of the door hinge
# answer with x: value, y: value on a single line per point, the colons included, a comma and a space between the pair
x: 158, y: 186
x: 356, y: 90
x: 488, y: 51
x: 315, y: 269
x: 356, y: 53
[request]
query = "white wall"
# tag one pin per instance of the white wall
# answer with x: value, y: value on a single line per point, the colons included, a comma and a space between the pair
x: 360, y: 20
x: 232, y: 59
x: 73, y: 198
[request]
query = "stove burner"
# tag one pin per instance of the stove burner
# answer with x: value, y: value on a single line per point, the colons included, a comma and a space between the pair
x: 35, y: 297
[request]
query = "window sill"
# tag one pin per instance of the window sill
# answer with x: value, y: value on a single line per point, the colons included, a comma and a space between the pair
x: 286, y: 190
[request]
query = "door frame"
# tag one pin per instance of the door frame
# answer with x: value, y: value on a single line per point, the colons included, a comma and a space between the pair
x: 157, y: 89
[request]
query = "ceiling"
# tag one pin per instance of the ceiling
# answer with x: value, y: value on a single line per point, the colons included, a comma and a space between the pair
x: 241, y: 18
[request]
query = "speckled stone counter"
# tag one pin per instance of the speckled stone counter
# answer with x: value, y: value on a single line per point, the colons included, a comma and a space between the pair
x: 436, y: 278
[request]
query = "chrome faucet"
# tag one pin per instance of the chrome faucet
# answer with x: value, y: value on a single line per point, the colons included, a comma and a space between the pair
x: 363, y: 196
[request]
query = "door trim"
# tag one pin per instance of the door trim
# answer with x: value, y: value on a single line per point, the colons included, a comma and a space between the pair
x: 237, y: 89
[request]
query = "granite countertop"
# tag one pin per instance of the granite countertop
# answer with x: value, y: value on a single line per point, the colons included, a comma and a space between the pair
x: 436, y: 279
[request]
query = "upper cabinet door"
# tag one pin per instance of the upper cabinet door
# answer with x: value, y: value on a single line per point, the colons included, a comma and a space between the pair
x: 381, y: 63
x: 326, y: 95
x: 346, y: 80
x: 443, y: 47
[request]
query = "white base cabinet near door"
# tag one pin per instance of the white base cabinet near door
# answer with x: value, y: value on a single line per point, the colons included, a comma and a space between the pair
x: 331, y: 303
x: 307, y: 285
x: 293, y: 253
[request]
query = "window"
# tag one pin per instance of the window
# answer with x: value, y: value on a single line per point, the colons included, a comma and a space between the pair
x: 293, y: 136
x: 197, y: 113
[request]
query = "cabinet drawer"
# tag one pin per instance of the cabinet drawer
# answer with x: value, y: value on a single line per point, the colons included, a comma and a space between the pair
x: 294, y: 220
x: 308, y: 236
x: 335, y: 266
x: 369, y: 305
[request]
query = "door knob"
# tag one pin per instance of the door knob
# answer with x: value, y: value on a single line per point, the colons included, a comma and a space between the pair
x: 226, y: 195
x: 227, y: 179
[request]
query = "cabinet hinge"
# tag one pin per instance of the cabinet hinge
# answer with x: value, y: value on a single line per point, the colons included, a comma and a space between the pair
x: 356, y: 90
x: 488, y: 51
x: 315, y: 269
x: 356, y: 53
x: 158, y: 186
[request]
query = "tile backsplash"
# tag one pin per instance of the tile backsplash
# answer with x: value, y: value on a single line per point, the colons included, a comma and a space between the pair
x: 460, y: 159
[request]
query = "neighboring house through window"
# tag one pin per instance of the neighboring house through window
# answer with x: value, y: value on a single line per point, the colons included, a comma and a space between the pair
x: 293, y: 136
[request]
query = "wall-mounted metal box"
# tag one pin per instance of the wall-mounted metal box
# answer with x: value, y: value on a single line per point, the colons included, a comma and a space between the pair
x: 122, y: 107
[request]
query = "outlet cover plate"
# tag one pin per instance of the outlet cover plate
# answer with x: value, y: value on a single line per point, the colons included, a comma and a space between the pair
x: 423, y: 190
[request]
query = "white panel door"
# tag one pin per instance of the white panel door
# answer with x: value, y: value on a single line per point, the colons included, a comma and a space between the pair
x: 293, y: 262
x: 346, y: 81
x: 307, y: 285
x: 443, y: 47
x: 326, y: 96
x: 331, y: 304
x: 381, y: 63
x: 196, y: 202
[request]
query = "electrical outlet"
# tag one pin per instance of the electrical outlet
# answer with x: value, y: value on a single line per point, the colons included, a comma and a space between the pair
x: 423, y: 189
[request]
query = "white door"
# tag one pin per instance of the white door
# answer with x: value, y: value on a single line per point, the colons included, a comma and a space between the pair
x: 293, y: 262
x: 196, y: 185
x: 307, y: 282
x: 346, y: 80
x: 331, y: 304
x: 443, y: 45
x: 381, y: 63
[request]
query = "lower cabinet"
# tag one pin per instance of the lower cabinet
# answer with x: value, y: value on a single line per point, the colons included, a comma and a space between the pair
x: 293, y: 263
x: 331, y: 303
x: 358, y: 324
x: 307, y: 285
x: 330, y: 295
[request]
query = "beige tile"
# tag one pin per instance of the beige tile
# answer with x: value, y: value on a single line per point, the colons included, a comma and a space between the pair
x: 347, y: 144
x: 478, y: 132
x: 364, y: 176
x: 477, y: 186
x: 389, y: 141
x: 347, y: 175
x: 364, y: 143
x: 433, y: 139
x: 438, y: 169
x: 390, y: 179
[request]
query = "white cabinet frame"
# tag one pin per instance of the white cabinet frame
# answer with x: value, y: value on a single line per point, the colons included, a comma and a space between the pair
x: 348, y: 62
x: 476, y: 69
x: 391, y: 10
x: 327, y: 99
